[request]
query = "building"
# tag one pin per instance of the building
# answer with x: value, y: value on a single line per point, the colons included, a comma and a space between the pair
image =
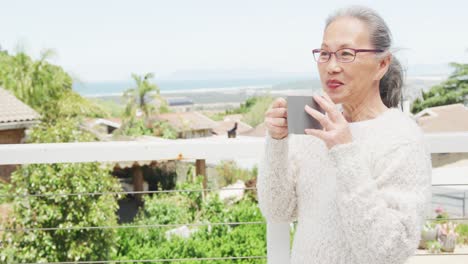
x: 180, y: 104
x: 228, y: 124
x: 259, y: 131
x: 188, y: 124
x: 444, y: 119
x: 15, y: 118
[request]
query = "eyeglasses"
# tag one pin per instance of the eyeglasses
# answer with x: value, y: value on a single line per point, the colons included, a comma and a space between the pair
x: 342, y: 55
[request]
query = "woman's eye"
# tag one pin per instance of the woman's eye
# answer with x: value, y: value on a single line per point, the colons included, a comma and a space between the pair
x: 346, y: 54
x: 324, y: 53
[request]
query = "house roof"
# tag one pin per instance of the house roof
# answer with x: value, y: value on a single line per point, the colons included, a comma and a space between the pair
x: 225, y: 125
x: 258, y: 131
x: 186, y: 121
x: 14, y: 113
x: 111, y: 122
x: 447, y: 118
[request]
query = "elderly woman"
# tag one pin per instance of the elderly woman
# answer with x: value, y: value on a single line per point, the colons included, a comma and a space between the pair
x: 358, y: 188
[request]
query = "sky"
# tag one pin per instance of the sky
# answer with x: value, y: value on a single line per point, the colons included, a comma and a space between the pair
x: 108, y: 40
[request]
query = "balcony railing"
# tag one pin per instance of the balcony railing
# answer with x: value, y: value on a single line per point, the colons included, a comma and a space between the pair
x: 278, y: 235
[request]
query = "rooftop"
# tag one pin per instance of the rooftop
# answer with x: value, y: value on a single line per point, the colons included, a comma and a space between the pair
x: 14, y: 113
x: 447, y: 118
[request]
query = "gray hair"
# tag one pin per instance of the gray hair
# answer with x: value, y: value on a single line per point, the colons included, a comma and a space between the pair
x: 391, y: 84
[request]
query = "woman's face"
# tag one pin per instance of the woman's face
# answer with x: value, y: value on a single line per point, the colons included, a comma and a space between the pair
x: 350, y: 82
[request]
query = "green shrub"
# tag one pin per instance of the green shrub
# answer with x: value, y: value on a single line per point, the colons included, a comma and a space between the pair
x: 229, y: 173
x: 50, y: 210
x: 256, y: 113
x: 164, y: 130
x: 451, y: 91
x: 207, y: 241
x: 462, y: 230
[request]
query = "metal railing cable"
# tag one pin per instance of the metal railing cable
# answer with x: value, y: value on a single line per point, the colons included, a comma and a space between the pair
x: 153, y: 260
x: 123, y: 193
x: 128, y: 226
x: 439, y: 254
x: 156, y: 192
x: 449, y: 185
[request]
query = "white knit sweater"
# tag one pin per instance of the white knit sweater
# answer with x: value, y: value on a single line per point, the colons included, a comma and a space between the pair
x: 358, y: 203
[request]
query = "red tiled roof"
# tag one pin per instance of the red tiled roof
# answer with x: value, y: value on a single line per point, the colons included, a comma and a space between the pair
x: 12, y: 110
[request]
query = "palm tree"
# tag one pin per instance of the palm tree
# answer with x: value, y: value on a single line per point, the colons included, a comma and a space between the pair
x: 139, y: 97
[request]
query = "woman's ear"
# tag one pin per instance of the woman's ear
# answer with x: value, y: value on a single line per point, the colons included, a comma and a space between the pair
x: 383, y: 66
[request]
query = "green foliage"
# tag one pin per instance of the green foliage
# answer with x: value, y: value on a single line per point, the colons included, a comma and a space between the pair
x: 60, y: 131
x: 229, y: 173
x: 434, y: 246
x: 164, y: 130
x: 50, y: 211
x: 139, y: 127
x: 256, y: 113
x: 195, y: 198
x: 72, y: 104
x: 206, y: 240
x: 134, y: 127
x: 245, y: 107
x: 139, y: 97
x: 4, y: 189
x: 111, y: 107
x: 45, y: 87
x: 253, y: 110
x: 453, y: 90
x: 462, y: 230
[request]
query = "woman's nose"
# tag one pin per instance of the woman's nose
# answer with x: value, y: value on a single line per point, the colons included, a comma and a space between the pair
x: 333, y: 66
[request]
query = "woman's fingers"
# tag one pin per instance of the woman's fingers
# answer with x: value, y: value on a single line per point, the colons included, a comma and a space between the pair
x: 278, y: 122
x: 321, y: 118
x: 277, y: 112
x: 327, y: 97
x: 318, y: 133
x: 279, y: 103
x: 329, y: 107
x: 275, y: 119
x: 339, y: 115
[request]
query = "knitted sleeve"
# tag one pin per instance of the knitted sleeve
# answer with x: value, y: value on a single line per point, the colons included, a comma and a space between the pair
x: 382, y: 206
x: 276, y: 183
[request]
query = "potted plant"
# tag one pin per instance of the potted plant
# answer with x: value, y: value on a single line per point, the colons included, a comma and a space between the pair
x: 428, y: 233
x: 441, y: 215
x: 447, y: 236
x: 434, y: 246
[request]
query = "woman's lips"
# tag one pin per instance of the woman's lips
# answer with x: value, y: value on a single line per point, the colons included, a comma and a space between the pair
x: 333, y: 84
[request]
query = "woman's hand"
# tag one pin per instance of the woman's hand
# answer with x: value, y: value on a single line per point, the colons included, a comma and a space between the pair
x: 335, y: 127
x: 275, y: 119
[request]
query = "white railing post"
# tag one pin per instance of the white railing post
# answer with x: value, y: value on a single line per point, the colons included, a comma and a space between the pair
x: 465, y: 204
x: 278, y: 245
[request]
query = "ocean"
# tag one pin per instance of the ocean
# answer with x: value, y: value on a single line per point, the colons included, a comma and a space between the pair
x: 116, y: 88
x: 221, y: 91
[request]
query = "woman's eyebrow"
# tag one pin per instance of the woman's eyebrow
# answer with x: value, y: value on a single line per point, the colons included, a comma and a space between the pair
x: 346, y: 45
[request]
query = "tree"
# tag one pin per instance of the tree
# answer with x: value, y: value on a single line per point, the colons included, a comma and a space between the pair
x: 45, y: 87
x: 453, y: 90
x: 138, y: 98
x: 49, y: 209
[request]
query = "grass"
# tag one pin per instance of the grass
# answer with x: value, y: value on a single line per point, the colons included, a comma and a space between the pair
x: 462, y: 230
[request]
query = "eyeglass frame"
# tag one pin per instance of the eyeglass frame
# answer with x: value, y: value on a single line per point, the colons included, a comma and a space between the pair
x: 356, y: 51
